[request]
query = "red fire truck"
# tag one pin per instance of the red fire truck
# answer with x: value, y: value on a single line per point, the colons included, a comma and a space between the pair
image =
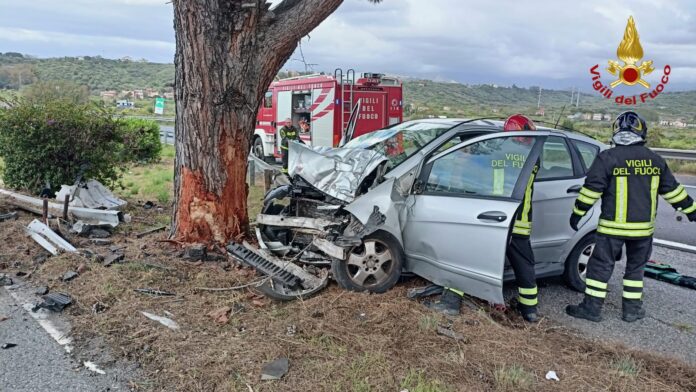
x: 332, y: 105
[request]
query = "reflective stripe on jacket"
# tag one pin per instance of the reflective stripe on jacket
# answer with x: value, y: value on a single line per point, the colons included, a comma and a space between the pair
x: 628, y: 179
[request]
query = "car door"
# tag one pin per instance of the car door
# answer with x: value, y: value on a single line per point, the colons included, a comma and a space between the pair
x: 460, y: 214
x: 557, y: 185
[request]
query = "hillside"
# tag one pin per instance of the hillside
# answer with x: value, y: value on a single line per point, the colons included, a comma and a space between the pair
x: 422, y: 97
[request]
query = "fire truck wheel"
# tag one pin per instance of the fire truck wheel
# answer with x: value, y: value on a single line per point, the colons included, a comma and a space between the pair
x: 258, y: 148
x: 374, y: 266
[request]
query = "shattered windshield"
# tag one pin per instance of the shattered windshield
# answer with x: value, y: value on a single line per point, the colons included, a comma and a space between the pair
x: 401, y: 141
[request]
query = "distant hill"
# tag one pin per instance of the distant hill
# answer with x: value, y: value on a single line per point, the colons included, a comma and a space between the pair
x: 422, y: 97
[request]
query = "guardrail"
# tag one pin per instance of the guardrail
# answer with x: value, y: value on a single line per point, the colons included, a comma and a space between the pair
x: 669, y: 153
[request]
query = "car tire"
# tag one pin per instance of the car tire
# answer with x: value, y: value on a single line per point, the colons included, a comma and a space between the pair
x: 257, y: 148
x: 576, y: 263
x: 374, y: 266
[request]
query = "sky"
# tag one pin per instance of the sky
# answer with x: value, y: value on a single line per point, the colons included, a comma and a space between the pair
x: 551, y: 43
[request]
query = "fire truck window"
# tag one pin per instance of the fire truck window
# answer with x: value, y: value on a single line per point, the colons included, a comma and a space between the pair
x: 268, y: 100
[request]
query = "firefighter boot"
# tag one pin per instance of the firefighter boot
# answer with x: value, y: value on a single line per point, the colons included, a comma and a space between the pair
x: 632, y: 310
x: 529, y: 313
x: 448, y: 304
x: 589, y: 309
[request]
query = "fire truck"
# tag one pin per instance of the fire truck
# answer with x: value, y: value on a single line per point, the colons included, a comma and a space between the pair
x: 337, y: 108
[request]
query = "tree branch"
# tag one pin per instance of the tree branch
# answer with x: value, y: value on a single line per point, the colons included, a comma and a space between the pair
x: 296, y: 18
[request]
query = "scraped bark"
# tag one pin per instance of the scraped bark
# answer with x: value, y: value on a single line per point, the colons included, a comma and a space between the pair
x: 227, y: 54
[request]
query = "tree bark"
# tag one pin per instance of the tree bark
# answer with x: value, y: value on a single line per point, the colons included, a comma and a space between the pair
x: 227, y: 54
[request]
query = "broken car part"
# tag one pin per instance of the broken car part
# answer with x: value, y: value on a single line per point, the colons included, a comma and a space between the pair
x: 167, y: 322
x: 91, y: 194
x: 275, y: 370
x: 8, y: 216
x: 88, y: 215
x: 150, y: 231
x: 54, y: 302
x: 154, y: 292
x: 48, y: 239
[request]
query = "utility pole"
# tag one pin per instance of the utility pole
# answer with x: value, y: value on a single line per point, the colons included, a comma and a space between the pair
x: 577, y: 102
x: 571, y: 95
x: 539, y: 100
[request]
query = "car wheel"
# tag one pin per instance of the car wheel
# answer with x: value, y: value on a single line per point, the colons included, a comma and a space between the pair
x: 374, y: 266
x: 258, y: 148
x: 576, y: 265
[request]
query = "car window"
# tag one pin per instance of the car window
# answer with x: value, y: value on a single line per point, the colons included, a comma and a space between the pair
x: 486, y: 168
x: 556, y: 161
x: 588, y: 152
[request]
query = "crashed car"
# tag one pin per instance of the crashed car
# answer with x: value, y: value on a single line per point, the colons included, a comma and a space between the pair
x: 423, y: 197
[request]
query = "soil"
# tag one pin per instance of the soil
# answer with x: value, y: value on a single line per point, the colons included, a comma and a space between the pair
x: 336, y: 341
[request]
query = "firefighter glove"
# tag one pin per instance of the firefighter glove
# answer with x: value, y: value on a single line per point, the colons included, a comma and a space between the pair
x: 574, y: 220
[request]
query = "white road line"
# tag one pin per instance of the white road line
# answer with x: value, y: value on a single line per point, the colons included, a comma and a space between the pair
x: 675, y: 245
x: 690, y: 186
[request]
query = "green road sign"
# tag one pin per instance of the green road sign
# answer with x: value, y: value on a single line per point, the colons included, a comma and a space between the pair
x: 159, y: 105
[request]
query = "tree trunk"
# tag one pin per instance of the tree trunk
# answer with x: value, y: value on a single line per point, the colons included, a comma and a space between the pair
x: 227, y: 54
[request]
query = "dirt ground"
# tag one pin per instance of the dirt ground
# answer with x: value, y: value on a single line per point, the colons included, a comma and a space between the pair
x: 336, y: 341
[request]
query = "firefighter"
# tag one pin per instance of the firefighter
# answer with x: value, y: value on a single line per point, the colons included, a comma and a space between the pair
x: 287, y: 132
x: 627, y: 179
x: 519, y: 250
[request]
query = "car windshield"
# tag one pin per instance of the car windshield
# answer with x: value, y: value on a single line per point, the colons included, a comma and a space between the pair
x: 401, y: 141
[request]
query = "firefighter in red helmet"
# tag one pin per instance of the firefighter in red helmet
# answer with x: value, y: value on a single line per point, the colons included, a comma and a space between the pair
x: 519, y: 250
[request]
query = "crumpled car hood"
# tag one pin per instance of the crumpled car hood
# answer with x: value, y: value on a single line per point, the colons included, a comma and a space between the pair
x: 338, y: 172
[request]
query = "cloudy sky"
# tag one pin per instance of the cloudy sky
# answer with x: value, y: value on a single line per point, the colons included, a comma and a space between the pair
x: 551, y: 43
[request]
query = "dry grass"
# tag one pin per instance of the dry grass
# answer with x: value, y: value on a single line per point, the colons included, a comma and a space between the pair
x: 337, y: 341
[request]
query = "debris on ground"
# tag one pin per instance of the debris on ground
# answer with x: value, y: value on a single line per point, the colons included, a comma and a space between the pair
x: 3, y: 318
x: 6, y: 280
x: 167, y: 322
x: 275, y: 370
x: 154, y: 292
x: 148, y: 205
x: 100, y: 241
x: 68, y: 276
x: 221, y: 316
x: 8, y: 345
x: 113, y: 258
x: 551, y: 375
x: 93, y: 367
x: 90, y: 194
x: 195, y: 252
x: 81, y: 269
x: 88, y: 215
x: 451, y: 334
x: 54, y: 302
x: 43, y: 290
x: 425, y: 291
x: 8, y: 216
x: 150, y: 231
x: 48, y: 239
x: 98, y: 307
x: 91, y: 231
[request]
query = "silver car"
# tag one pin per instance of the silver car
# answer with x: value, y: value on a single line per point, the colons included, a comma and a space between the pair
x: 425, y: 197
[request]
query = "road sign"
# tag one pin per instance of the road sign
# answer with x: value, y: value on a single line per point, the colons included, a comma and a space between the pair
x: 159, y: 105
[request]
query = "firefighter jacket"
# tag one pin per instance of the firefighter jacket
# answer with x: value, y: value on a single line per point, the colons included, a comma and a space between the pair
x: 628, y: 179
x: 523, y: 219
x: 288, y: 133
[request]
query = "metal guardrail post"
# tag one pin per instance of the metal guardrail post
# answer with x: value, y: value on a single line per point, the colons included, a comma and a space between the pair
x: 251, y: 168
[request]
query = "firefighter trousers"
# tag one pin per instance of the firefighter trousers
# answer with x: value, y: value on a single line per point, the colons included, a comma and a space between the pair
x: 521, y: 257
x: 601, y: 265
x: 284, y: 154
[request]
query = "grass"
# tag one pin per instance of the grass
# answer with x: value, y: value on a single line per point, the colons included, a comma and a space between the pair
x: 626, y: 366
x: 417, y: 381
x: 684, y: 327
x: 513, y: 378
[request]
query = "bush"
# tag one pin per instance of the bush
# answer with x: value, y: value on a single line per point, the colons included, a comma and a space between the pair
x: 141, y: 139
x: 49, y: 141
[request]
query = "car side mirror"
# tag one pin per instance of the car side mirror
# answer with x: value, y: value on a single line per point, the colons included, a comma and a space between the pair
x: 418, y: 187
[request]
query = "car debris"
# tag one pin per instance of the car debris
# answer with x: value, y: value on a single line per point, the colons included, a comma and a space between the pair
x: 54, y: 302
x: 451, y: 334
x: 8, y: 216
x: 150, y: 231
x: 113, y: 258
x: 98, y: 307
x: 48, y: 239
x: 154, y: 292
x: 6, y: 280
x: 426, y: 291
x: 552, y: 376
x: 101, y: 241
x: 148, y: 205
x: 88, y: 215
x: 8, y: 345
x: 275, y: 370
x: 68, y: 276
x: 167, y: 322
x: 195, y: 252
x: 3, y: 318
x: 90, y: 194
x: 91, y: 366
x: 42, y: 290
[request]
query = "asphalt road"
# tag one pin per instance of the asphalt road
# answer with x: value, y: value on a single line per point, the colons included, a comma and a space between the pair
x: 667, y: 227
x: 38, y: 363
x: 670, y: 325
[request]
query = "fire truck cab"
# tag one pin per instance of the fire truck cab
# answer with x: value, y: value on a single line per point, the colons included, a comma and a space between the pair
x: 335, y: 107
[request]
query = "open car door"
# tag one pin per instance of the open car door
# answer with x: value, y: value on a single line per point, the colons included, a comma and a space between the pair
x: 462, y: 209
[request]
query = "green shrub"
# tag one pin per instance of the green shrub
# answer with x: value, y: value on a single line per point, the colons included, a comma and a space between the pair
x: 50, y: 141
x: 141, y: 139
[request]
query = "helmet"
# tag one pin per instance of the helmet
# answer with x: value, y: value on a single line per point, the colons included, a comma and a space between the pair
x: 631, y: 122
x: 518, y: 122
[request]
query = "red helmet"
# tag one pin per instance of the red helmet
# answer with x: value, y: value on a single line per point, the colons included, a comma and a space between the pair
x: 518, y: 122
